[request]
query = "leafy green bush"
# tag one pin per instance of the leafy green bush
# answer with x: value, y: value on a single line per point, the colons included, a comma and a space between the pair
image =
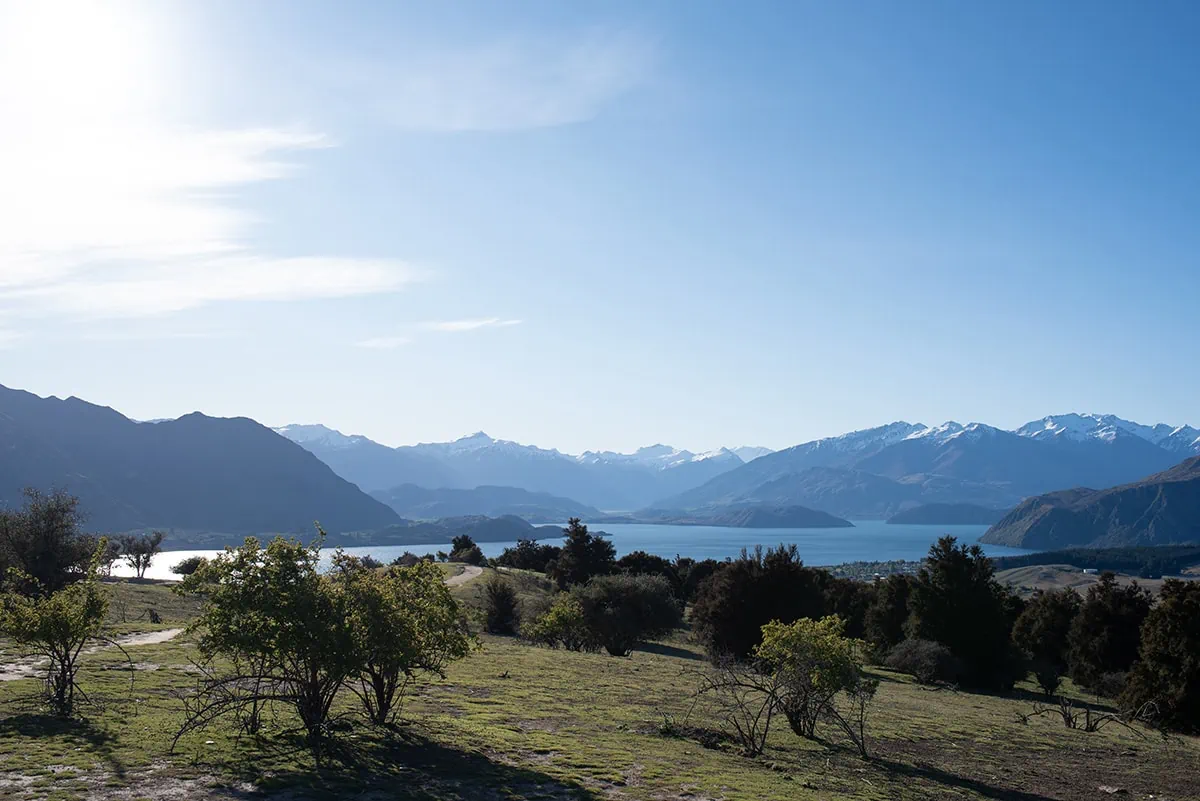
x: 1106, y: 632
x: 188, y: 566
x: 622, y: 611
x: 1041, y: 633
x: 563, y: 624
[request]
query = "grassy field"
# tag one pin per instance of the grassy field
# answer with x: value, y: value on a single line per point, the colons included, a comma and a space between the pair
x: 1053, y: 577
x: 519, y: 722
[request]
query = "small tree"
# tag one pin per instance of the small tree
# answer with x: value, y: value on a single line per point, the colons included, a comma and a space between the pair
x: 189, y: 565
x: 139, y: 551
x: 1041, y: 632
x: 1104, y: 637
x: 622, y: 611
x: 405, y: 622
x: 501, y: 607
x: 641, y: 563
x: 814, y: 662
x: 529, y: 555
x: 43, y: 542
x: 1168, y: 673
x: 56, y: 626
x: 583, y: 556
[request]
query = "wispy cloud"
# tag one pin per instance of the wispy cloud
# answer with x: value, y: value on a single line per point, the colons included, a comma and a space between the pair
x: 110, y: 211
x: 453, y: 326
x: 383, y: 343
x: 515, y: 84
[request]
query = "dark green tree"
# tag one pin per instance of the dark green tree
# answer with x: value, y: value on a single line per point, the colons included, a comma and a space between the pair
x: 733, y: 604
x: 501, y: 607
x: 43, y: 541
x: 1104, y: 637
x: 1168, y: 673
x: 622, y: 611
x: 583, y: 556
x: 887, y: 614
x: 529, y: 555
x: 1041, y: 633
x: 464, y: 549
x: 957, y: 601
x: 641, y: 563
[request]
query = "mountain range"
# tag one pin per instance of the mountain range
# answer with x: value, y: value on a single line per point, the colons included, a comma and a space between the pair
x: 1163, y: 509
x: 196, y: 473
x: 604, y: 479
x: 419, y: 503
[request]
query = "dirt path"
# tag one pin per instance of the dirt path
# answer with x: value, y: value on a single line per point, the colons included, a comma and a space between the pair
x: 469, y: 572
x: 27, y: 668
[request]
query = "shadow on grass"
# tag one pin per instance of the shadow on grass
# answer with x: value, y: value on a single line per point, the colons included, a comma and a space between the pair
x: 404, y: 765
x: 663, y: 649
x: 948, y: 779
x: 79, y: 733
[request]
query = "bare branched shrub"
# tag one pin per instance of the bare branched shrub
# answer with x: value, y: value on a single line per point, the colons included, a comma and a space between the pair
x: 1085, y: 718
x: 745, y: 700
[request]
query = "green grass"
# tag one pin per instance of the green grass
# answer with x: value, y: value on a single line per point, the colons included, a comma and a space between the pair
x: 518, y: 722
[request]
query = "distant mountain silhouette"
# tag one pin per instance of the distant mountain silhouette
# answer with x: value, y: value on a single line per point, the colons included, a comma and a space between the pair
x: 196, y: 473
x: 948, y: 514
x: 604, y: 480
x: 418, y: 503
x: 1162, y: 509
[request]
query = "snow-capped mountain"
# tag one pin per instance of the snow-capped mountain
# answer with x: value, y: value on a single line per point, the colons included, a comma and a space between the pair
x: 657, y: 457
x: 1107, y: 428
x: 318, y: 435
x: 748, y: 453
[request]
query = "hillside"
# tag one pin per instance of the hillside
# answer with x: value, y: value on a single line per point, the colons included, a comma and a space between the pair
x: 948, y: 514
x: 193, y: 474
x: 1159, y: 510
x: 753, y: 517
x: 418, y: 503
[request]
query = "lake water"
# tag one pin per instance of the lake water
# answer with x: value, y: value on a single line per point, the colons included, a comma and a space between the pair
x: 868, y: 541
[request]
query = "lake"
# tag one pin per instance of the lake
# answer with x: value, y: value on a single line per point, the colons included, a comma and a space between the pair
x: 868, y: 541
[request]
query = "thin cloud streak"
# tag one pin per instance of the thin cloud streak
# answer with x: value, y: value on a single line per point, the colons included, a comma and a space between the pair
x: 456, y: 326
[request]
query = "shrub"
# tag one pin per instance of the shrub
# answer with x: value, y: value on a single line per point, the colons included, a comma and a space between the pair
x: 405, y: 622
x: 1168, y: 673
x: 563, y: 624
x: 956, y: 601
x: 1041, y: 633
x: 274, y: 629
x: 814, y: 662
x: 1106, y: 632
x: 641, y: 563
x: 927, y: 661
x: 622, y: 611
x: 369, y: 562
x: 463, y: 549
x: 733, y: 604
x: 188, y: 566
x: 406, y: 559
x: 529, y: 555
x: 583, y: 556
x: 56, y: 626
x: 501, y: 607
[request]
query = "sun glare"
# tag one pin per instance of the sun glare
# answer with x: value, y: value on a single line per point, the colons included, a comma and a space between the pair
x: 76, y: 59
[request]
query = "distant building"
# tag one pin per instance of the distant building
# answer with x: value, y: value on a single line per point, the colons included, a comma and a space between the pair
x: 1090, y: 571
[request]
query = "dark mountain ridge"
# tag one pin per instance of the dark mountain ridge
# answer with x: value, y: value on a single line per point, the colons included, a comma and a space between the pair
x: 196, y: 473
x: 1162, y: 509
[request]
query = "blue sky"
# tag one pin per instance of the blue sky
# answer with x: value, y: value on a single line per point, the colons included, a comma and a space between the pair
x: 603, y: 225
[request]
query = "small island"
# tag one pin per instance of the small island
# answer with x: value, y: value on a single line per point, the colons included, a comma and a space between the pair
x: 948, y: 514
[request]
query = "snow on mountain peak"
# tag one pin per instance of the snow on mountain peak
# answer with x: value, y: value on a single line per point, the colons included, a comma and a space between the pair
x: 317, y: 433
